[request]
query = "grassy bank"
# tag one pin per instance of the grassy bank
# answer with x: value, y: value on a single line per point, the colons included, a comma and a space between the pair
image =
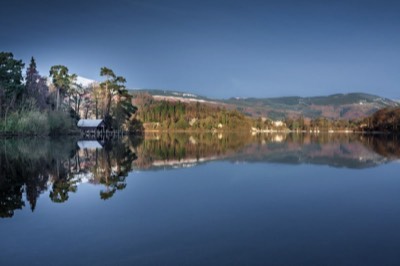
x: 37, y: 123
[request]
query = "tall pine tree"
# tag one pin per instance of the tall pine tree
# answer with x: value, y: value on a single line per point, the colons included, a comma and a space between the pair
x: 36, y: 87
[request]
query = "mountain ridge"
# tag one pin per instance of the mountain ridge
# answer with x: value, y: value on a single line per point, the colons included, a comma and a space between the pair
x: 336, y: 106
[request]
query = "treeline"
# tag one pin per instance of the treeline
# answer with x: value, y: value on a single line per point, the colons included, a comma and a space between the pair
x: 32, y: 104
x: 384, y: 120
x: 320, y: 124
x: 176, y: 115
x: 24, y: 102
x: 169, y: 115
x: 301, y: 124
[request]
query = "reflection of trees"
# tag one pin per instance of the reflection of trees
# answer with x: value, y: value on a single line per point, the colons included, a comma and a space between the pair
x: 10, y: 199
x: 112, y: 183
x: 61, y: 188
x: 182, y: 146
x: 35, y: 187
x: 32, y: 167
x: 337, y: 150
x: 64, y: 181
x: 26, y: 165
x: 387, y: 145
x: 118, y: 159
x: 108, y: 166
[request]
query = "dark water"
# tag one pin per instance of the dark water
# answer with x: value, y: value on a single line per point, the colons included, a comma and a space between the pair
x: 201, y: 200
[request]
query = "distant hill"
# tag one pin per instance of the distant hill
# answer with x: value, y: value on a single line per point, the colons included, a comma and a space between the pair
x: 175, y: 95
x: 336, y: 106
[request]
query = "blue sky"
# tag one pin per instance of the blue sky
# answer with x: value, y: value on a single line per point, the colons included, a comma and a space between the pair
x: 215, y: 48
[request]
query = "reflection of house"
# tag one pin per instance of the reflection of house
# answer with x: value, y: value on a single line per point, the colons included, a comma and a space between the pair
x: 91, y: 125
x: 89, y: 144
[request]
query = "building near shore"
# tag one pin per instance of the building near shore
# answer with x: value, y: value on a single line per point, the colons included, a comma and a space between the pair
x: 92, y: 125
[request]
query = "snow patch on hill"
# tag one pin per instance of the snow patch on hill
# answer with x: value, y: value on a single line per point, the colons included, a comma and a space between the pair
x: 85, y: 82
x: 181, y: 99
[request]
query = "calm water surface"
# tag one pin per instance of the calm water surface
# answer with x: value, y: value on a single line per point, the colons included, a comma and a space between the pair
x: 201, y: 200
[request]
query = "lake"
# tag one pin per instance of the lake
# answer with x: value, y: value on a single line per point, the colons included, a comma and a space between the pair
x: 201, y: 199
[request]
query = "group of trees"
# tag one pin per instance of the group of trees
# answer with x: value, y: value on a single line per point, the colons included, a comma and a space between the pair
x: 24, y: 102
x: 176, y: 115
x: 319, y: 124
x: 108, y: 100
x: 384, y: 120
x: 32, y: 105
x: 168, y: 115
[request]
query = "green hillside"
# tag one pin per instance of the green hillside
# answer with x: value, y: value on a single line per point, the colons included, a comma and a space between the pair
x: 336, y: 106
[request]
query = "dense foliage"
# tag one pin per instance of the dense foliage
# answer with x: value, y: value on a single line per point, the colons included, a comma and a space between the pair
x: 384, y: 120
x: 176, y: 115
x: 29, y: 106
x: 168, y: 115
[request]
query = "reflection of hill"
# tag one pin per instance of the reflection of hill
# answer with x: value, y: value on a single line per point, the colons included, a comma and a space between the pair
x: 336, y: 150
x: 333, y: 150
x: 181, y: 149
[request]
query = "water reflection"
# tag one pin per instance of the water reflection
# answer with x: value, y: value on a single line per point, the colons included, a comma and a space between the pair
x: 30, y: 167
x: 336, y: 150
x: 107, y: 164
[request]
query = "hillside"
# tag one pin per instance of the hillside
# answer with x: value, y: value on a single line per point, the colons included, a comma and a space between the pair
x: 336, y: 106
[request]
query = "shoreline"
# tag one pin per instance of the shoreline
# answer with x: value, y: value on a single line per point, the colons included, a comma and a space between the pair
x: 181, y: 131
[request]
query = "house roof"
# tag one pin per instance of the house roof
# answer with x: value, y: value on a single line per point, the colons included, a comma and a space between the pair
x: 89, y: 122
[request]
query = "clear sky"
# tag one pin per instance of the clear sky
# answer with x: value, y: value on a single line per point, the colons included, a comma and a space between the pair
x: 215, y: 48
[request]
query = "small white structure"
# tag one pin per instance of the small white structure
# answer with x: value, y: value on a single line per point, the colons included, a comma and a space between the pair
x: 92, y: 126
x: 278, y: 123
